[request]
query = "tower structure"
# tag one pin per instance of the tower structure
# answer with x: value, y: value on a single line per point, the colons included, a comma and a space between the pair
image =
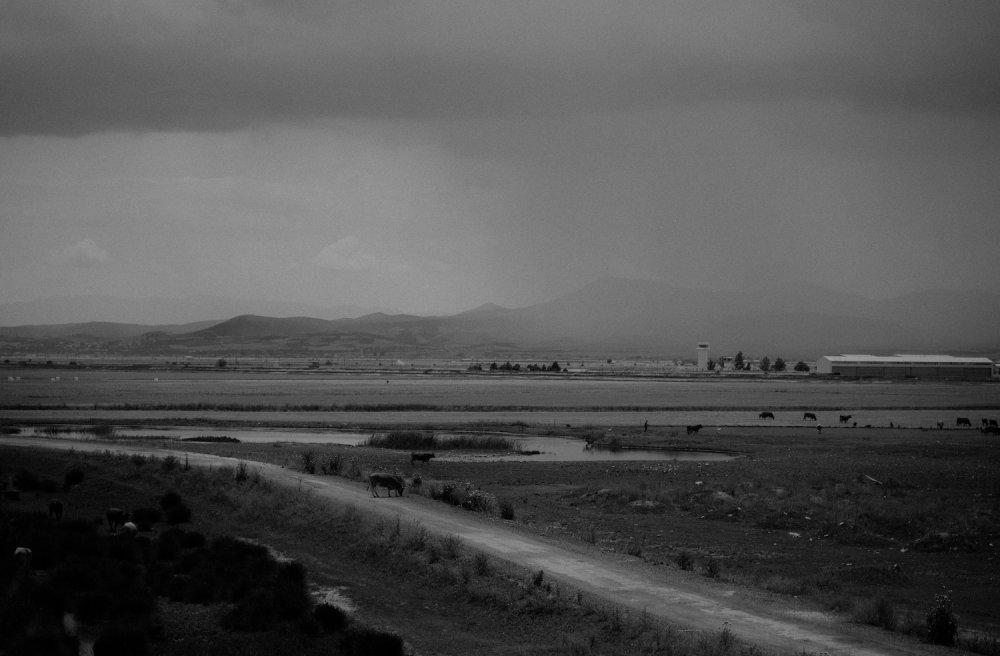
x: 702, y: 356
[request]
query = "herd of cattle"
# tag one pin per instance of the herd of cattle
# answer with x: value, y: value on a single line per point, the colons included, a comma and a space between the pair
x: 987, y: 425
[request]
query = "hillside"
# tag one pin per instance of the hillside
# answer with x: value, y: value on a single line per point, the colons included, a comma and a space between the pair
x: 613, y: 317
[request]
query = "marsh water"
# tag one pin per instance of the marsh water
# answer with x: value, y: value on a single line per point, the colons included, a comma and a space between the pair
x: 531, y: 448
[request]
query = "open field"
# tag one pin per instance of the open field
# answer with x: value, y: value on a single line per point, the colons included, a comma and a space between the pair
x: 851, y: 520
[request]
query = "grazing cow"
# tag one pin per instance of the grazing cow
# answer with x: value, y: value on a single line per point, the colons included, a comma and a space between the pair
x: 985, y: 422
x: 55, y: 509
x: 694, y: 429
x: 116, y: 517
x: 993, y: 423
x: 420, y: 457
x: 819, y: 429
x: 809, y: 415
x: 940, y: 425
x: 845, y: 418
x: 766, y: 415
x: 389, y: 481
x: 963, y: 421
x: 22, y: 556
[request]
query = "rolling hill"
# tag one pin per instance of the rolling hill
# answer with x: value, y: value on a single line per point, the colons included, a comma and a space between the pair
x: 610, y: 317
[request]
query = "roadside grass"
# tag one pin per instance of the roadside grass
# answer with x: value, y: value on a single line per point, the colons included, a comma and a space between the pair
x: 550, y: 619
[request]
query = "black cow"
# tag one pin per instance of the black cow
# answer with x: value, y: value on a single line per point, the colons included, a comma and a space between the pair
x: 963, y: 421
x: 993, y: 423
x: 55, y: 509
x: 420, y: 457
x: 389, y: 481
x: 766, y: 415
x: 845, y: 418
x: 116, y: 517
x: 991, y: 430
x: 809, y: 415
x: 694, y: 429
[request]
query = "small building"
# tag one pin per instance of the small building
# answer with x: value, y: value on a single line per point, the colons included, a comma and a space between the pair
x: 906, y: 366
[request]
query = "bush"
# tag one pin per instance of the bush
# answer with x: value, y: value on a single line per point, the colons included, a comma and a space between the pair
x: 877, y: 612
x: 122, y: 641
x: 365, y: 641
x: 73, y: 477
x: 175, y: 511
x: 330, y: 618
x: 942, y: 624
x: 506, y: 509
x: 684, y: 560
x: 26, y: 481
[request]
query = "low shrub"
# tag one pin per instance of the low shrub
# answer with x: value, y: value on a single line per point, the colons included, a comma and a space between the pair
x: 877, y: 612
x: 942, y: 623
x: 72, y: 478
x: 330, y: 618
x: 367, y: 641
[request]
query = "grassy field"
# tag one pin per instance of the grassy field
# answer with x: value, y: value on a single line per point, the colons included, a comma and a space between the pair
x: 413, y: 592
x: 873, y: 523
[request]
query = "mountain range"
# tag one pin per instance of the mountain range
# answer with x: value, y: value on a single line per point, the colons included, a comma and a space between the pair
x: 610, y: 317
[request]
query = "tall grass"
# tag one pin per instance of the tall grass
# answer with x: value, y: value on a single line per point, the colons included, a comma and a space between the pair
x: 418, y: 440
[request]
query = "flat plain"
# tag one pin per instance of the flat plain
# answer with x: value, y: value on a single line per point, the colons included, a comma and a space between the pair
x: 850, y: 519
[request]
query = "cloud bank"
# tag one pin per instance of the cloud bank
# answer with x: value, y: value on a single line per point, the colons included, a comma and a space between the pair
x: 73, y: 68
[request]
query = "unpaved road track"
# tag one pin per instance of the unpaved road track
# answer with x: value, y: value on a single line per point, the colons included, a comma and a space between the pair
x: 676, y: 597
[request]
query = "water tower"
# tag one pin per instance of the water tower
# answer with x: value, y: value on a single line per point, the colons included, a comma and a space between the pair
x: 702, y: 356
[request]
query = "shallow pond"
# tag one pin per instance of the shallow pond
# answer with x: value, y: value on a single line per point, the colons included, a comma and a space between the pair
x: 532, y: 448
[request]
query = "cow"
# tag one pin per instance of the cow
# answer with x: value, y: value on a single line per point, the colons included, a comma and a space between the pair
x: 22, y: 556
x: 991, y: 430
x: 420, y: 457
x: 389, y: 481
x: 963, y: 421
x: 940, y: 425
x: 993, y: 423
x: 129, y: 530
x: 766, y: 415
x: 55, y: 509
x: 809, y: 415
x: 985, y: 422
x: 116, y: 517
x: 694, y: 429
x: 845, y: 418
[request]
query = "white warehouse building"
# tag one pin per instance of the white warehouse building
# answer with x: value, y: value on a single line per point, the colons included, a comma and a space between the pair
x: 907, y: 366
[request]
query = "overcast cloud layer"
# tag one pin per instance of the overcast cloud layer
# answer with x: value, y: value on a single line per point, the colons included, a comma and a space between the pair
x: 431, y: 156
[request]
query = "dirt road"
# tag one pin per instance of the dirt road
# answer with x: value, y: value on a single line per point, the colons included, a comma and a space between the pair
x: 678, y: 597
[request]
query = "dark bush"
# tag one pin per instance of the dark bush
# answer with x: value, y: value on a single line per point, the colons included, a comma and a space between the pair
x: 330, y: 618
x: 144, y: 518
x: 73, y: 477
x: 175, y: 511
x: 942, y: 624
x: 365, y: 641
x: 122, y: 641
x: 26, y: 481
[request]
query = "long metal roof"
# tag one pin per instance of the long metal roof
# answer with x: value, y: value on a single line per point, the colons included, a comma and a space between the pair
x: 903, y: 358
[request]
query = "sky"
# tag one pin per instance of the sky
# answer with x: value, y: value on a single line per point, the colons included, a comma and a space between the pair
x: 433, y: 155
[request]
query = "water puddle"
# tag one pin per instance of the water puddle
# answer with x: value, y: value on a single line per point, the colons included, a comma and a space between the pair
x: 531, y: 448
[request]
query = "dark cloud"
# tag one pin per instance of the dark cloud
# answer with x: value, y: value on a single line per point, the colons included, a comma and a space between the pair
x: 113, y: 65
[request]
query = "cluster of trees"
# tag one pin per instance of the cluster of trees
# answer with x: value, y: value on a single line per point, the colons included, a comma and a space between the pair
x: 765, y: 364
x: 507, y: 366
